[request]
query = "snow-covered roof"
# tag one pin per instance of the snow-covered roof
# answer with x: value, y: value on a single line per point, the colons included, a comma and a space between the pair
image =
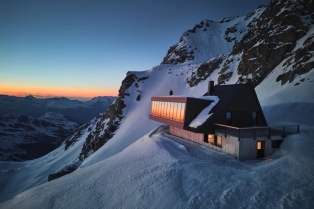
x: 204, y: 115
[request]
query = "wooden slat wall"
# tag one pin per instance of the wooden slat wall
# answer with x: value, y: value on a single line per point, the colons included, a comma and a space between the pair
x: 196, y: 137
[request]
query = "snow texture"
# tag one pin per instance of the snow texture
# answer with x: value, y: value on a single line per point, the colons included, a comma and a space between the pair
x: 143, y: 167
x: 204, y: 115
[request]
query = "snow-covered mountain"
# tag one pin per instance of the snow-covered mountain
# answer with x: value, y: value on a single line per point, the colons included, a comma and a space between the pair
x: 124, y: 160
x: 80, y: 111
x: 25, y: 138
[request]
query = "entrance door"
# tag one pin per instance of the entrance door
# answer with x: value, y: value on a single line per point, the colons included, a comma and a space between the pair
x: 260, y: 146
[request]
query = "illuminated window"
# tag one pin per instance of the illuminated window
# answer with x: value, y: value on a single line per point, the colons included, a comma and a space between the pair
x: 175, y: 110
x: 219, y: 141
x: 211, y: 139
x: 170, y: 110
x: 182, y: 107
x: 157, y: 108
x: 167, y: 109
x: 259, y: 145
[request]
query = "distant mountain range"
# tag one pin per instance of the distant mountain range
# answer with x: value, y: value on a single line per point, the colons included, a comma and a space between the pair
x: 79, y: 111
x: 26, y: 138
x: 31, y: 127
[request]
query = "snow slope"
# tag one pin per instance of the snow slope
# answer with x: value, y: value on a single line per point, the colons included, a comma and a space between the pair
x: 162, y: 171
x: 139, y: 170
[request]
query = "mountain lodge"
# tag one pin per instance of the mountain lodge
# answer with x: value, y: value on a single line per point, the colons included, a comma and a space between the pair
x: 228, y: 118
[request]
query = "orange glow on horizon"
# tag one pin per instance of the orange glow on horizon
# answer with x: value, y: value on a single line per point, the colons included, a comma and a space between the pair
x: 46, y: 92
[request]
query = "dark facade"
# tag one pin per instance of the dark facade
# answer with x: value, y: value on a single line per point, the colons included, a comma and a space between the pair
x: 237, y: 115
x: 238, y: 106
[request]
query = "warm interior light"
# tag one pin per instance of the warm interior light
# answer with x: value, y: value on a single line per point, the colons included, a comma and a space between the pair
x: 170, y: 110
x: 211, y: 138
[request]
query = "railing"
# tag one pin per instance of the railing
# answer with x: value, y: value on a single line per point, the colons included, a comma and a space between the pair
x: 254, y: 132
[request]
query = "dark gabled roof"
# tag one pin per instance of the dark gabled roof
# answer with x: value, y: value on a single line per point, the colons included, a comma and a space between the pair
x: 227, y: 94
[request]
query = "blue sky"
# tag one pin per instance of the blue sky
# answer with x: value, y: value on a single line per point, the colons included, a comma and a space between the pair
x: 92, y: 44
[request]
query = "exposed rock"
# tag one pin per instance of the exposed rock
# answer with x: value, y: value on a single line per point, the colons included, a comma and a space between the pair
x: 268, y: 44
x: 126, y: 83
x: 65, y: 171
x: 205, y: 70
x: 224, y: 78
x: 106, y: 124
x: 285, y: 77
x: 142, y: 79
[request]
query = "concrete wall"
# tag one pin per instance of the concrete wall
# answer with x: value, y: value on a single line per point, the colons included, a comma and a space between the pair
x: 243, y: 149
x: 248, y: 148
x: 230, y: 144
x: 196, y: 137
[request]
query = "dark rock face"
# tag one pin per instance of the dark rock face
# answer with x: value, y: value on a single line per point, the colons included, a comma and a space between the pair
x: 275, y: 36
x: 298, y: 62
x: 77, y: 134
x: 205, y: 70
x: 228, y: 34
x: 65, y: 171
x: 178, y: 53
x: 106, y: 124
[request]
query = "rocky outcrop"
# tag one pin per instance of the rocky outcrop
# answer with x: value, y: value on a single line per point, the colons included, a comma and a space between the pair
x: 204, y: 71
x: 106, y: 124
x: 298, y: 62
x: 275, y: 35
x: 179, y: 53
x: 65, y: 171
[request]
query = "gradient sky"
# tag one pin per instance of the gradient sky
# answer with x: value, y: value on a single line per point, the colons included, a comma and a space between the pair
x: 83, y: 48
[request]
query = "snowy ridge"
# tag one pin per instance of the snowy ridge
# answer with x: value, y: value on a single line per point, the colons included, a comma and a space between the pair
x: 141, y: 168
x: 210, y: 39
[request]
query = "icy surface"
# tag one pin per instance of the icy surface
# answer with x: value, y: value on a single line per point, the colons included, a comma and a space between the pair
x: 204, y: 115
x: 162, y: 171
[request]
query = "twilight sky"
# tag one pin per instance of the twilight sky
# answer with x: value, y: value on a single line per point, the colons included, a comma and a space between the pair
x: 83, y: 48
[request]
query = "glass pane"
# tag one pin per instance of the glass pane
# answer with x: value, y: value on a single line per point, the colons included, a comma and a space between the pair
x: 211, y: 138
x: 168, y: 109
x: 175, y: 110
x: 259, y: 145
x: 253, y: 114
x: 228, y: 115
x: 182, y: 111
x: 219, y: 140
x: 171, y: 110
x: 158, y: 108
x: 154, y: 108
